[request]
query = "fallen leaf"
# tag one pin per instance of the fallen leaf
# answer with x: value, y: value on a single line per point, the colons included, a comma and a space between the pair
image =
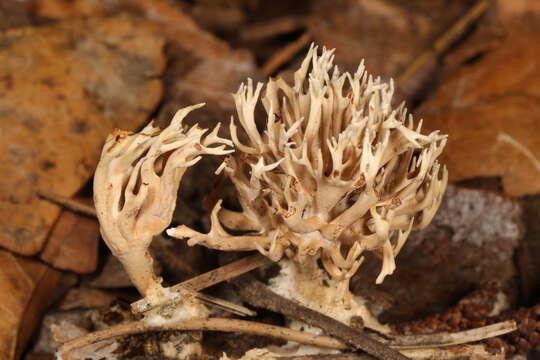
x: 510, y: 10
x: 62, y: 89
x: 86, y: 298
x: 73, y: 243
x: 490, y: 111
x: 27, y: 287
x: 388, y: 34
x: 15, y: 13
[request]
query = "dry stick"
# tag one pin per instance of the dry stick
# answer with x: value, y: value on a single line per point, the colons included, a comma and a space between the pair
x: 229, y: 271
x: 285, y: 54
x: 448, y: 339
x: 444, y: 42
x: 257, y: 294
x: 474, y: 351
x: 478, y: 352
x: 349, y: 356
x: 224, y: 305
x: 69, y: 203
x: 271, y: 28
x: 205, y: 324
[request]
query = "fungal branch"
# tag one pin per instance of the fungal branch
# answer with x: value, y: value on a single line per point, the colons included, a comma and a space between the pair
x: 335, y: 172
x: 136, y: 185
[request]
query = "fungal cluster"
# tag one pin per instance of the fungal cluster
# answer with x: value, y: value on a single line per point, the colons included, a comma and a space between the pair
x: 332, y: 170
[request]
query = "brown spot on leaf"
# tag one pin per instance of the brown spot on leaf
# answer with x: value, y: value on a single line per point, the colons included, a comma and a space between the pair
x: 47, y: 165
x: 49, y: 82
x: 80, y: 127
x: 7, y: 81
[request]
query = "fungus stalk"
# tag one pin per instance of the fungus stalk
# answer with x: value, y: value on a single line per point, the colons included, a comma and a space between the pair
x: 336, y: 171
x: 135, y: 190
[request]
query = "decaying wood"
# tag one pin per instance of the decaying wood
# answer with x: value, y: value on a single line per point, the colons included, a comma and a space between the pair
x: 205, y: 324
x: 257, y: 294
x: 69, y: 203
x: 208, y: 279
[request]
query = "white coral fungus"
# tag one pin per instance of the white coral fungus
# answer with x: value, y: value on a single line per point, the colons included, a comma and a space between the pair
x: 135, y: 189
x: 336, y: 171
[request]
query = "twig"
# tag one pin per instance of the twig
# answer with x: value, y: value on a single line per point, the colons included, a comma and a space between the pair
x: 444, y: 41
x: 271, y: 28
x: 349, y: 356
x: 205, y: 324
x: 69, y: 203
x: 208, y: 279
x: 224, y: 305
x: 476, y: 352
x: 257, y: 294
x: 448, y: 339
x: 285, y: 54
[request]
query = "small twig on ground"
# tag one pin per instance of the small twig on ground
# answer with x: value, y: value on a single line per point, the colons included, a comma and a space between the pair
x: 205, y: 324
x: 477, y: 352
x: 285, y: 54
x: 278, y: 26
x: 70, y: 204
x: 471, y: 351
x: 349, y: 356
x: 203, y: 281
x: 448, y: 339
x: 446, y: 40
x: 224, y: 305
x: 257, y: 294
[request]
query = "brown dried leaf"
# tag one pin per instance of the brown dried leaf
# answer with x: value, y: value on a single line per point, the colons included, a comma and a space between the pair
x: 86, y: 298
x: 14, y: 13
x: 27, y: 287
x: 63, y: 88
x: 510, y: 10
x: 389, y: 34
x: 73, y: 243
x: 491, y: 112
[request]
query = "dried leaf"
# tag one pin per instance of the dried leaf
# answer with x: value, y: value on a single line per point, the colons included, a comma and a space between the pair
x: 388, y: 34
x: 201, y: 68
x: 73, y: 243
x: 490, y: 111
x: 86, y: 298
x: 27, y: 287
x: 63, y: 89
x: 14, y: 13
x: 509, y: 10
